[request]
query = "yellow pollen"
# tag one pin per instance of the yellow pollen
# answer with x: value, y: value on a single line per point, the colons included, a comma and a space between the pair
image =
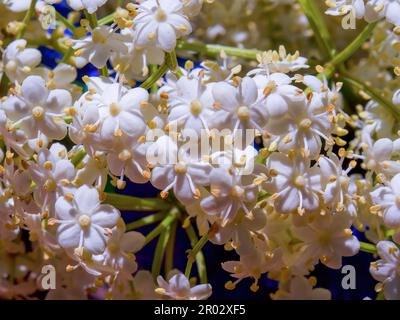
x: 243, y: 113
x: 84, y: 221
x: 180, y: 168
x: 196, y: 107
x: 299, y: 181
x: 114, y: 109
x: 38, y: 112
x: 305, y: 123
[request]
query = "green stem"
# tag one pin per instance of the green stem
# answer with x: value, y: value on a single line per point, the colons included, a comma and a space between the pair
x: 172, y: 63
x: 68, y: 24
x: 104, y: 71
x: 171, y: 217
x: 145, y: 221
x: 67, y: 55
x: 4, y: 85
x: 214, y: 50
x: 317, y: 24
x: 78, y: 157
x: 374, y: 94
x: 159, y: 253
x: 367, y: 247
x: 129, y: 203
x: 27, y: 19
x: 353, y: 46
x: 161, y: 71
x: 106, y: 19
x: 196, y: 254
x: 92, y: 18
x: 169, y: 255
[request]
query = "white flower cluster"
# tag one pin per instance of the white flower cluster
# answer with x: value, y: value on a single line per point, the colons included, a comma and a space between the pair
x: 258, y: 156
x: 370, y: 10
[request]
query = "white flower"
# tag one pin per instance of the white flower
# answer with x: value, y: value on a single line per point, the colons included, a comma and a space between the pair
x: 160, y: 23
x: 240, y: 231
x: 128, y: 158
x: 83, y: 221
x: 39, y: 110
x: 387, y: 201
x: 120, y: 248
x: 229, y: 193
x: 134, y: 63
x: 190, y: 103
x: 342, y: 7
x: 53, y: 173
x: 386, y: 270
x: 279, y: 61
x: 13, y: 138
x: 377, y: 156
x: 294, y: 185
x: 378, y: 9
x: 98, y: 47
x: 119, y: 108
x: 192, y: 8
x: 336, y: 182
x: 17, y: 5
x: 301, y: 288
x: 303, y: 126
x: 19, y: 61
x: 184, y: 176
x: 239, y: 107
x: 328, y: 238
x: 178, y: 288
x: 277, y: 93
x: 90, y: 5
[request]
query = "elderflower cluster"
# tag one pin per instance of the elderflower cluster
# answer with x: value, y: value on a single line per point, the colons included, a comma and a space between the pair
x: 265, y: 152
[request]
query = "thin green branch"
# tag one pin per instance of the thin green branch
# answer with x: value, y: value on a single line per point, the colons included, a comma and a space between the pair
x: 353, y: 46
x: 4, y: 85
x: 68, y: 24
x: 145, y: 221
x: 161, y: 71
x: 106, y: 19
x: 367, y: 247
x: 172, y: 63
x: 196, y: 254
x: 129, y: 203
x: 213, y: 50
x: 318, y: 25
x: 171, y: 217
x: 160, y: 252
x: 78, y: 157
x: 169, y: 254
x: 374, y: 94
x: 92, y: 18
x: 27, y: 19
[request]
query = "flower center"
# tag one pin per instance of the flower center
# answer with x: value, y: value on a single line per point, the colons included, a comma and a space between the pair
x: 305, y: 123
x: 84, y: 221
x: 181, y: 168
x: 237, y: 191
x: 98, y: 37
x: 113, y: 247
x: 195, y: 107
x: 125, y: 155
x: 398, y: 200
x: 50, y: 185
x: 114, y: 109
x: 243, y: 113
x: 38, y: 112
x: 299, y: 182
x: 160, y: 15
